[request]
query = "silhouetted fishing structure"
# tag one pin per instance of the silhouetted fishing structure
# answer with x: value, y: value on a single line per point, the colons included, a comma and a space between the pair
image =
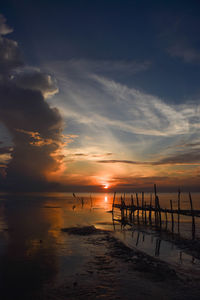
x: 155, y: 215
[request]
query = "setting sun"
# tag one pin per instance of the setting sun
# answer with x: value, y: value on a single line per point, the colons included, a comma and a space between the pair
x: 106, y: 186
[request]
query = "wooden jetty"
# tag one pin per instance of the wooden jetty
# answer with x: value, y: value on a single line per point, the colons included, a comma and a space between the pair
x: 148, y: 211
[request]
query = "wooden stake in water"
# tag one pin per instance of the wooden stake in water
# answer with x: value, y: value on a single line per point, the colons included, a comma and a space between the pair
x: 155, y: 212
x: 142, y: 204
x: 132, y: 200
x: 113, y: 202
x: 137, y: 200
x: 172, y: 216
x: 159, y: 211
x: 137, y: 207
x: 145, y: 213
x: 157, y: 208
x: 193, y: 219
x: 132, y: 206
x: 166, y: 220
x: 150, y: 207
x: 179, y: 208
x: 122, y: 209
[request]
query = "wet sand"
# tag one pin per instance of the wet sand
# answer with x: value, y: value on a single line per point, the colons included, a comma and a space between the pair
x: 114, y: 271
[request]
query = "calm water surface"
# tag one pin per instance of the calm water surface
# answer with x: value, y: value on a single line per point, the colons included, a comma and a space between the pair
x: 34, y: 252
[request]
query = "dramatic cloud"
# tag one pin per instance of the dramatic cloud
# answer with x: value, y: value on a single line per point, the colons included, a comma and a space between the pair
x: 147, y: 135
x: 96, y: 101
x: 34, y: 126
x: 35, y: 80
x: 140, y: 130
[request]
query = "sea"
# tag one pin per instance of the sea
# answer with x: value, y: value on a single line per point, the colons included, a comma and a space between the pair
x: 35, y: 252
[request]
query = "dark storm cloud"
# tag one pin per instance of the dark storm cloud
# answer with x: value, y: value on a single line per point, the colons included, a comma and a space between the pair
x: 35, y: 127
x: 35, y: 80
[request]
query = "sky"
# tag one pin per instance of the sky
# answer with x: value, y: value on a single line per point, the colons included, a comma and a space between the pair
x: 99, y: 95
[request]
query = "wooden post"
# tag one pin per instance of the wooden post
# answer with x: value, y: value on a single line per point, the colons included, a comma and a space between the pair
x: 142, y: 205
x: 137, y: 199
x: 132, y: 206
x: 145, y: 213
x: 113, y: 202
x: 132, y: 200
x: 159, y: 211
x: 124, y: 204
x: 166, y: 220
x: 179, y: 208
x: 137, y: 208
x: 172, y: 216
x: 122, y: 209
x: 193, y: 219
x: 150, y: 207
x: 156, y: 206
x: 179, y: 200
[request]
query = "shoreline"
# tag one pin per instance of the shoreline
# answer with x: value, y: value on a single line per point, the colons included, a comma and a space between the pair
x: 115, y: 271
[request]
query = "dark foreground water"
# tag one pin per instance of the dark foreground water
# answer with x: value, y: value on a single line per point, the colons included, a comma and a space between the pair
x: 35, y: 254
